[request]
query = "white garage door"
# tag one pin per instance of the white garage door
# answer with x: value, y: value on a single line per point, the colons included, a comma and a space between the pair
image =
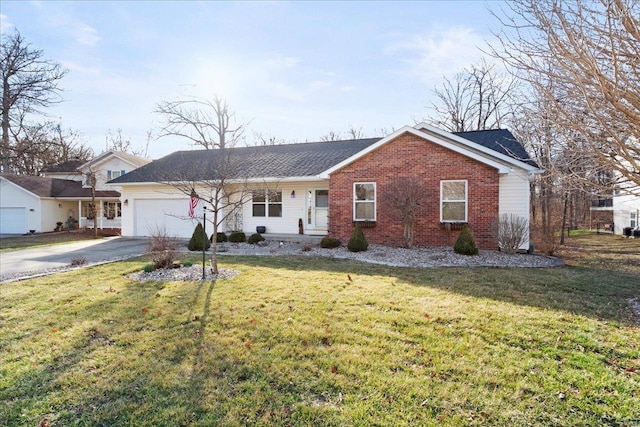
x: 170, y: 214
x: 13, y: 221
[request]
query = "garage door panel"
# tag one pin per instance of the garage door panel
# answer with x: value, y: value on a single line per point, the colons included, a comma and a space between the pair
x: 170, y: 215
x: 13, y: 221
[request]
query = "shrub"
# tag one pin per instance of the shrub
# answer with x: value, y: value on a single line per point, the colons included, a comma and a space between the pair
x: 199, y: 240
x: 329, y: 242
x: 255, y: 238
x: 465, y: 245
x: 78, y: 261
x: 306, y: 248
x: 357, y: 242
x: 187, y: 264
x: 148, y: 268
x: 221, y: 237
x: 161, y: 248
x: 237, y: 237
x: 511, y: 231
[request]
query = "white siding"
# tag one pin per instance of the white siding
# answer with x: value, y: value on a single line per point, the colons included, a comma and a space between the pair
x: 623, y: 206
x: 145, y: 207
x: 13, y: 196
x: 139, y: 200
x: 293, y: 209
x: 515, y: 196
x: 54, y: 211
x: 101, y: 169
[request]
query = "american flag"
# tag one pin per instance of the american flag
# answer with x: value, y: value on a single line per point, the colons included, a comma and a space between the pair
x: 193, y: 202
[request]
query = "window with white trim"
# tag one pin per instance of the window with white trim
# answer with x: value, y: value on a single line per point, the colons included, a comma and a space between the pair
x: 114, y: 174
x: 453, y: 201
x: 364, y: 201
x: 112, y: 210
x: 633, y: 220
x: 267, y: 203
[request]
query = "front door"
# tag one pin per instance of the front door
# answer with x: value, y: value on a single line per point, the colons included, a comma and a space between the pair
x: 317, y: 209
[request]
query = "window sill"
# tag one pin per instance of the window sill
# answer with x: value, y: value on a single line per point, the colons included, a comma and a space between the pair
x: 365, y: 224
x: 451, y: 225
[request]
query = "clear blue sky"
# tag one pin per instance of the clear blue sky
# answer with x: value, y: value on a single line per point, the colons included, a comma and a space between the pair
x: 296, y: 70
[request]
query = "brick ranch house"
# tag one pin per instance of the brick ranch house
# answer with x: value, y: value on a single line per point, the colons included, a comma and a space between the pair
x: 470, y: 178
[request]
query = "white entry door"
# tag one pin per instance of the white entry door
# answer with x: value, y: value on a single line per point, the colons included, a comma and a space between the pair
x: 317, y: 209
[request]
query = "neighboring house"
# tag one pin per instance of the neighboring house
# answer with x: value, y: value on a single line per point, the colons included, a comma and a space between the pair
x: 626, y: 211
x: 471, y: 178
x: 39, y: 203
x: 621, y: 210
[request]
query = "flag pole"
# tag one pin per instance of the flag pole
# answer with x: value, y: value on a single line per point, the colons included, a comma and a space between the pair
x: 204, y: 244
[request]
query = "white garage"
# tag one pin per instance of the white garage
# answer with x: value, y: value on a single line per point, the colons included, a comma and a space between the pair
x: 13, y: 221
x: 150, y: 215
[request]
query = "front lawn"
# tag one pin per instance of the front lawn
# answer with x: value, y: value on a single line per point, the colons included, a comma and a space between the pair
x: 314, y: 341
x: 43, y: 239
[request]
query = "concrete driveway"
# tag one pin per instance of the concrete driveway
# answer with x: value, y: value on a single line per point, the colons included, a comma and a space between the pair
x: 35, y: 260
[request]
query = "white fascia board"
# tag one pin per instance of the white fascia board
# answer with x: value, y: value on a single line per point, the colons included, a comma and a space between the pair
x: 21, y: 187
x: 438, y: 140
x: 439, y: 133
x: 104, y: 157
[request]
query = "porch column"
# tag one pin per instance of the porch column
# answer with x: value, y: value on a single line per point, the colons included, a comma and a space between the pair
x: 101, y: 213
x: 79, y: 213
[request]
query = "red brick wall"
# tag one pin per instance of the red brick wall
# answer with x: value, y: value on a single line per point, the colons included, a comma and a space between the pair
x: 412, y: 156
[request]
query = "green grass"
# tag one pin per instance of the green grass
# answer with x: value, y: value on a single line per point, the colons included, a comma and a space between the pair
x: 293, y: 341
x: 44, y: 239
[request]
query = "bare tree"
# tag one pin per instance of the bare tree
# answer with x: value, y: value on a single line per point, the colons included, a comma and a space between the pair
x: 405, y: 197
x: 29, y: 82
x: 117, y: 141
x: 263, y: 139
x: 590, y: 52
x: 213, y: 180
x: 331, y: 136
x: 477, y: 98
x: 43, y: 145
x: 206, y: 123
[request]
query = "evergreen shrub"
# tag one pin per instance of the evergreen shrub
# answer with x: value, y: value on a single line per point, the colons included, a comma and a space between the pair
x: 357, y: 242
x: 465, y: 245
x: 199, y: 239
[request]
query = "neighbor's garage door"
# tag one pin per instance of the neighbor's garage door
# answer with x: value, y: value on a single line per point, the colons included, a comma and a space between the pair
x: 170, y: 214
x: 13, y: 221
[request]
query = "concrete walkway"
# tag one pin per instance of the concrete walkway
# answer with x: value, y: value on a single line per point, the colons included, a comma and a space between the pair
x: 34, y: 260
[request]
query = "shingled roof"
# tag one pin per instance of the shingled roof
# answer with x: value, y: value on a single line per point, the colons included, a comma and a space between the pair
x: 288, y: 160
x: 70, y: 166
x: 500, y: 140
x: 54, y: 187
x: 269, y: 161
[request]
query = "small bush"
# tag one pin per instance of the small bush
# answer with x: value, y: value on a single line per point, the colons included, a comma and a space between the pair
x: 306, y: 248
x: 78, y: 261
x: 357, y: 242
x: 221, y: 237
x: 199, y: 240
x: 465, y: 245
x: 148, y: 268
x: 511, y: 232
x: 255, y: 238
x: 329, y: 242
x: 187, y: 264
x: 162, y: 248
x: 237, y: 237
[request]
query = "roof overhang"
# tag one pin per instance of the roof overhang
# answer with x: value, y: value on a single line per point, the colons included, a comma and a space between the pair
x: 289, y: 179
x: 504, y: 164
x: 104, y: 157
